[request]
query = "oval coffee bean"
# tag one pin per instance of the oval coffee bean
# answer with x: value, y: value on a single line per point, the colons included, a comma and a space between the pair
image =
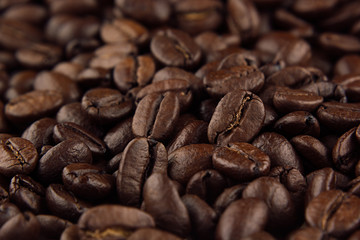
x: 241, y: 161
x: 52, y: 226
x: 21, y: 226
x: 40, y: 132
x: 242, y: 218
x: 188, y: 160
x: 152, y: 234
x: 238, y: 117
x: 119, y: 136
x: 17, y: 155
x: 228, y: 196
x: 7, y: 211
x: 69, y: 151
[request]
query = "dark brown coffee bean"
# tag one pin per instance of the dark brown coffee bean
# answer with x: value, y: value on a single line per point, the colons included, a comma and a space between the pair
x: 57, y: 82
x: 346, y: 152
x: 261, y: 235
x: 241, y: 161
x: 199, y: 17
x: 17, y: 34
x: 63, y: 203
x: 323, y: 180
x: 17, y: 155
x: 297, y: 52
x: 29, y: 13
x: 312, y: 150
x: 93, y: 77
x: 307, y: 233
x: 298, y: 123
x: 133, y: 71
x: 293, y: 77
x: 26, y: 193
x: 334, y: 212
x: 33, y: 105
x: 203, y: 217
x: 149, y: 11
x: 7, y: 211
x: 348, y: 64
x: 289, y: 100
x: 194, y: 132
x: 282, y: 214
x: 188, y: 160
x: 21, y: 226
x: 69, y: 69
x: 119, y: 136
x: 175, y: 48
x: 51, y: 226
x: 69, y: 151
x: 139, y: 160
x: 206, y: 184
x: 355, y: 235
x: 68, y: 130
x: 114, y: 221
x: 4, y: 196
x: 243, y: 18
x: 156, y: 115
x: 228, y: 196
x: 238, y: 117
x: 87, y: 181
x: 113, y: 165
x: 23, y: 81
x: 66, y: 6
x: 242, y: 218
x: 279, y: 149
x: 105, y: 104
x: 339, y: 43
x: 40, y: 132
x: 4, y: 126
x: 152, y: 234
x: 294, y: 24
x: 351, y: 85
x: 220, y: 82
x: 163, y: 202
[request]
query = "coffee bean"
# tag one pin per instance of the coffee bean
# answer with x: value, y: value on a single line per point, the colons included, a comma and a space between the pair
x: 351, y: 84
x: 21, y: 226
x: 80, y: 7
x: 175, y: 48
x: 28, y: 12
x: 17, y: 155
x: 26, y: 193
x: 119, y: 136
x: 348, y: 64
x: 152, y: 234
x: 163, y: 202
x: 228, y: 196
x: 33, y: 105
x: 40, y: 132
x: 307, y: 233
x: 52, y: 226
x: 327, y: 211
x: 339, y: 43
x: 241, y: 161
x: 242, y: 218
x: 238, y: 117
x: 8, y: 210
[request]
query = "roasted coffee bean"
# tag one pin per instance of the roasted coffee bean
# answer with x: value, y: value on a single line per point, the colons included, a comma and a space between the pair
x: 348, y: 64
x: 4, y: 126
x: 124, y: 30
x: 119, y: 136
x: 199, y: 17
x: 293, y: 77
x: 175, y: 48
x: 69, y: 151
x: 281, y: 207
x: 30, y: 13
x: 7, y: 211
x: 313, y: 151
x: 68, y: 130
x: 351, y: 85
x: 335, y: 212
x: 194, y: 132
x: 63, y: 203
x: 206, y: 184
x: 152, y: 234
x: 33, y: 105
x: 80, y: 7
x: 307, y: 233
x: 17, y: 155
x: 87, y: 181
x: 155, y: 116
x: 203, y: 217
x: 188, y: 160
x: 339, y: 43
x: 4, y: 137
x: 346, y: 152
x: 289, y: 100
x: 22, y: 81
x: 243, y: 18
x: 40, y: 132
x: 163, y: 202
x: 4, y: 196
x: 69, y: 69
x: 242, y: 218
x: 228, y: 196
x: 298, y: 123
x: 297, y: 52
x: 270, y: 116
x: 323, y: 180
x: 133, y: 71
x: 279, y: 149
x: 261, y: 235
x: 105, y: 104
x: 220, y: 82
x: 114, y: 221
x: 26, y: 193
x: 241, y: 161
x: 207, y: 109
x: 238, y: 117
x: 21, y: 226
x: 51, y: 227
x: 139, y: 160
x: 294, y: 24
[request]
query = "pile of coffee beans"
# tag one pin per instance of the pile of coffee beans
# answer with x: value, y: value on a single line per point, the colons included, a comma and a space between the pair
x: 179, y: 119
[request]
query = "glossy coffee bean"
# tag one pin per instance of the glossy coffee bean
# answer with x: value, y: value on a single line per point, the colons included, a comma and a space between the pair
x: 40, y: 132
x: 8, y: 210
x: 152, y: 234
x: 228, y: 196
x: 238, y: 117
x: 21, y: 226
x: 119, y: 136
x: 17, y: 155
x: 52, y: 226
